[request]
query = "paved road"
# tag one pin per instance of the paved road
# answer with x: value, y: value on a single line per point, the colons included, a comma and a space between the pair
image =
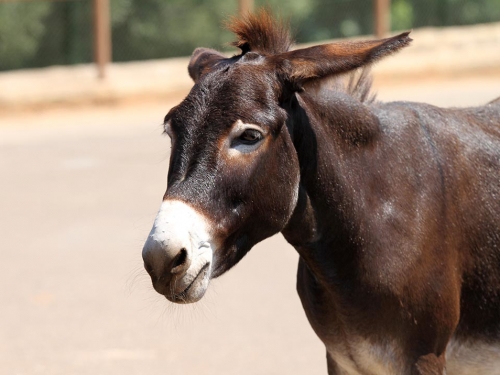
x: 79, y: 191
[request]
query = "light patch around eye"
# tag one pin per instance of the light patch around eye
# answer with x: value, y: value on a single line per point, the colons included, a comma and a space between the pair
x: 235, y: 147
x: 244, y: 149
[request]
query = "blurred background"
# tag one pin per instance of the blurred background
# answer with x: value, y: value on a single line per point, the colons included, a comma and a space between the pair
x: 84, y: 86
x: 60, y: 32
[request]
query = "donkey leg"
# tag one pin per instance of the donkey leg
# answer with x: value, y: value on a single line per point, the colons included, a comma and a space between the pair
x: 429, y: 364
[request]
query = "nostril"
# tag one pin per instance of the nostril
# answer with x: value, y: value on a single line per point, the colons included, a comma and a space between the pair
x: 179, y: 262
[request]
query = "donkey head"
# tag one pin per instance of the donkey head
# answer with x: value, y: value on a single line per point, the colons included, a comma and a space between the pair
x: 234, y: 173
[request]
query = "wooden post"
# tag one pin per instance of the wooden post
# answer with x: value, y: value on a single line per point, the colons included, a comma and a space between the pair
x: 382, y: 22
x: 245, y: 6
x: 102, y: 36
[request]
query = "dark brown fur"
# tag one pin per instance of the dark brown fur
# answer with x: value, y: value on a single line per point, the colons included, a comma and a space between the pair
x: 397, y: 220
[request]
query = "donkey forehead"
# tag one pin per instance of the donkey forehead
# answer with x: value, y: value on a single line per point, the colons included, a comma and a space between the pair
x: 241, y: 91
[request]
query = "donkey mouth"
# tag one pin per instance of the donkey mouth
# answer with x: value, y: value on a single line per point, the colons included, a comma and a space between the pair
x: 195, y: 290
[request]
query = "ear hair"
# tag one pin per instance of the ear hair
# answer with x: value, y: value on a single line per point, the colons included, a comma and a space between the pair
x: 202, y: 60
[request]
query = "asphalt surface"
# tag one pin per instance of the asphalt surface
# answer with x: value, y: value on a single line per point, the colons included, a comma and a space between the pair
x: 79, y: 191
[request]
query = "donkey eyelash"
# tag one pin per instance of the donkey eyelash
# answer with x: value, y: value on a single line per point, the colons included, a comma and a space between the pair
x: 250, y: 136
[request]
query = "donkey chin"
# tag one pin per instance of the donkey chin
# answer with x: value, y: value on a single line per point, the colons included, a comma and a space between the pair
x: 178, y: 254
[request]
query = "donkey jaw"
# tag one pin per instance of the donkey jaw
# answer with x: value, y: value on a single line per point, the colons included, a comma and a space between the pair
x: 178, y: 253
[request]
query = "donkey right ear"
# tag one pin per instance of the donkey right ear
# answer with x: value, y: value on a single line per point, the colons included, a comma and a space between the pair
x: 302, y: 65
x: 202, y: 60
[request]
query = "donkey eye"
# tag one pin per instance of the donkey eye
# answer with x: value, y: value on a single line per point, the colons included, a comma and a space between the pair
x: 250, y: 136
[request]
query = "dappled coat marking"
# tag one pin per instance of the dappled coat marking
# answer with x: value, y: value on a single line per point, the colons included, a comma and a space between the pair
x: 394, y: 208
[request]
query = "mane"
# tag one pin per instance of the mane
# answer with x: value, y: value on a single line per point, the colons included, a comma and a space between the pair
x: 357, y: 84
x: 260, y: 32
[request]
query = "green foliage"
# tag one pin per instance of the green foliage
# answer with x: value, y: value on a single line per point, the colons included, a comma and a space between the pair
x: 48, y: 32
x: 160, y: 28
x: 406, y: 14
x: 68, y: 36
x: 401, y: 15
x: 21, y: 28
x: 336, y: 19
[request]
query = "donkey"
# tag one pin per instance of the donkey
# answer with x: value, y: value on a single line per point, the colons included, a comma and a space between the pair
x: 394, y: 208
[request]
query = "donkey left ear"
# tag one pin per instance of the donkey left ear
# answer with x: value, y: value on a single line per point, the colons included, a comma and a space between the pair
x: 202, y: 60
x: 300, y: 66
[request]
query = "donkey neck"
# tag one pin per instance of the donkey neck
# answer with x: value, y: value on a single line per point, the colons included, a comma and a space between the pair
x: 333, y: 135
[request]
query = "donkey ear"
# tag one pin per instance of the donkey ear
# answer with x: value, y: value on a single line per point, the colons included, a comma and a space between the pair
x: 202, y: 60
x: 299, y: 66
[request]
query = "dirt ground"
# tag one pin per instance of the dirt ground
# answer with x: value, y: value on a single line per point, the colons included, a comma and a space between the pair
x: 80, y: 189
